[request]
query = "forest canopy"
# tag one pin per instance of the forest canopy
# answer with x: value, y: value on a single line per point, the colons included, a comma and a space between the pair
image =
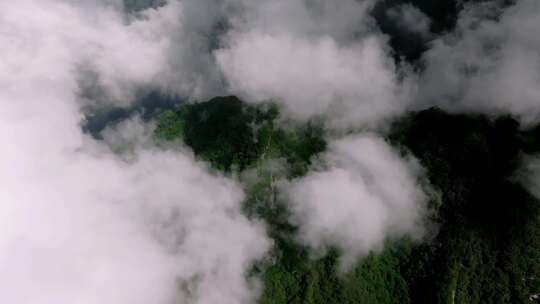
x: 485, y: 241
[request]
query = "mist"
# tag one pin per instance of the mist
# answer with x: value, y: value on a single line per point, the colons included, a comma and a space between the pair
x: 488, y: 64
x: 124, y: 220
x: 366, y: 194
x: 329, y: 61
x: 80, y: 223
x: 319, y: 60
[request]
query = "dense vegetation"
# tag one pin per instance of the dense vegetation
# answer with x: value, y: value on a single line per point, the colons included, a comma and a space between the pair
x: 486, y: 248
x: 231, y: 135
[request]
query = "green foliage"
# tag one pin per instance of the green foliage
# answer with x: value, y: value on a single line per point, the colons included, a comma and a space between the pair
x: 230, y: 134
x: 219, y: 131
x: 170, y: 126
x: 488, y: 221
x: 377, y: 279
x: 486, y: 250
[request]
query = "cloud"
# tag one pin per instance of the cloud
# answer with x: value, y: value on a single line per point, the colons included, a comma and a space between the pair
x: 366, y: 194
x: 316, y: 59
x: 490, y: 64
x: 167, y: 47
x: 314, y: 78
x: 530, y: 175
x: 121, y: 221
x: 193, y: 33
x: 79, y: 223
x: 138, y: 5
x: 304, y: 19
x: 89, y: 37
x: 410, y: 19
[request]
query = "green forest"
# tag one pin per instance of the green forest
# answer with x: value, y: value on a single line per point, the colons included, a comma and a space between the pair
x: 484, y: 243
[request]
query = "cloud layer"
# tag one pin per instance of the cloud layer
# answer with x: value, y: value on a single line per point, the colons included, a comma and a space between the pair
x: 80, y: 224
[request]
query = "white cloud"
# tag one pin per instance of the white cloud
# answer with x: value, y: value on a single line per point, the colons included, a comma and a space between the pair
x: 304, y: 19
x: 366, y: 195
x: 316, y: 60
x: 489, y: 64
x: 79, y: 224
x: 352, y: 86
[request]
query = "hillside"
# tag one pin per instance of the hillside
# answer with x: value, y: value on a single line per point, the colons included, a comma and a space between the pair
x: 484, y: 243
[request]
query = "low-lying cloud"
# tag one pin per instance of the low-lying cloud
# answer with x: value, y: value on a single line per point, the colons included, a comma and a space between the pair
x: 489, y: 64
x: 366, y: 194
x: 320, y: 59
x: 349, y: 86
x: 80, y: 224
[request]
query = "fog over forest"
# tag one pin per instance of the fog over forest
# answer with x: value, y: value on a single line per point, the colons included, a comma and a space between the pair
x: 286, y: 151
